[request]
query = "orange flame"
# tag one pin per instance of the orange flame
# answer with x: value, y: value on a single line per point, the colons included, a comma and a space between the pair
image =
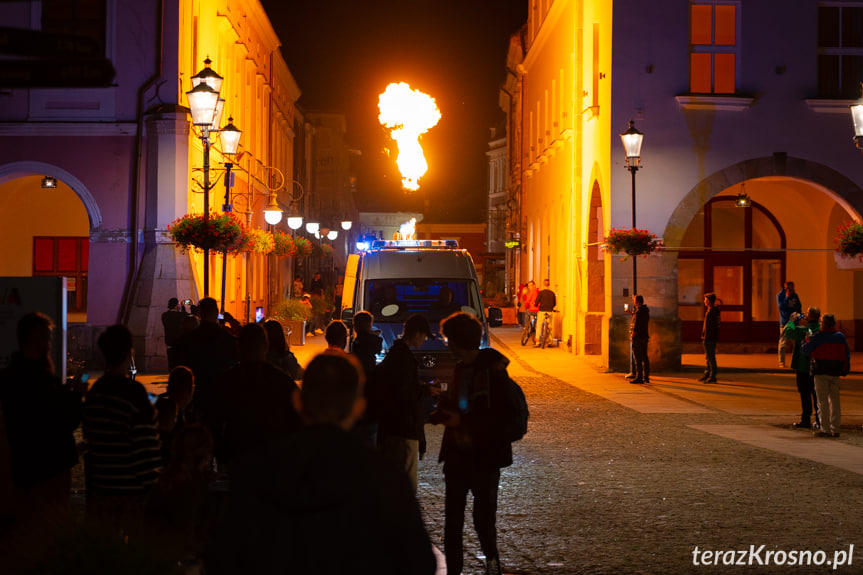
x: 409, y: 114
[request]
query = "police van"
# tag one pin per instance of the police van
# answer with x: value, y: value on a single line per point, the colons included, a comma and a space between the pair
x: 394, y: 279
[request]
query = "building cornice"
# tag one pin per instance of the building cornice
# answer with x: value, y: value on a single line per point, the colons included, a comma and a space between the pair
x: 825, y: 106
x: 714, y: 102
x: 66, y: 129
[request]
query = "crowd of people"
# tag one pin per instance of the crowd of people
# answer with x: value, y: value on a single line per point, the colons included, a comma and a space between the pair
x: 820, y: 354
x: 238, y: 468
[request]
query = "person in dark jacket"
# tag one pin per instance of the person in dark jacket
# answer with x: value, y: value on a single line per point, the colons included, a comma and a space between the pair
x: 208, y: 351
x: 789, y: 303
x: 400, y: 427
x: 473, y: 449
x: 251, y: 403
x: 319, y: 501
x: 639, y: 335
x: 798, y: 328
x: 279, y: 351
x: 831, y: 359
x: 365, y: 347
x: 123, y: 457
x: 41, y: 415
x: 172, y: 321
x: 367, y: 344
x: 710, y: 336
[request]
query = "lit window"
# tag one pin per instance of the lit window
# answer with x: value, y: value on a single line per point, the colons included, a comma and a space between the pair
x: 840, y: 49
x: 713, y: 47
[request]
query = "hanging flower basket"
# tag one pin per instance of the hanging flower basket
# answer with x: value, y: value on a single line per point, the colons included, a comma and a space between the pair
x: 260, y: 241
x: 849, y: 239
x: 631, y: 242
x: 283, y: 244
x: 326, y: 251
x: 222, y: 231
x: 302, y: 247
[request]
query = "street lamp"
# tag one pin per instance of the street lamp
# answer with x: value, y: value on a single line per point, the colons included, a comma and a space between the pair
x: 273, y: 213
x: 857, y: 117
x: 230, y: 143
x: 346, y: 225
x: 205, y: 109
x: 312, y: 227
x: 632, y: 139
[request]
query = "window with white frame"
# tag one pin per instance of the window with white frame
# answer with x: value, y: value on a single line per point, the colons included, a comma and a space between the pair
x: 840, y: 49
x: 713, y: 54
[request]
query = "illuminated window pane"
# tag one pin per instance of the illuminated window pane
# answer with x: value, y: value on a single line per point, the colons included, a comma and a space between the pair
x: 43, y: 255
x: 700, y: 73
x: 726, y: 27
x: 690, y: 289
x: 702, y: 24
x: 67, y: 255
x: 727, y: 227
x: 724, y: 68
x: 765, y: 236
x: 728, y: 284
x: 765, y: 278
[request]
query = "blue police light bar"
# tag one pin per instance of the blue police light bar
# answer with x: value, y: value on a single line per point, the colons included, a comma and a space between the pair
x: 403, y: 244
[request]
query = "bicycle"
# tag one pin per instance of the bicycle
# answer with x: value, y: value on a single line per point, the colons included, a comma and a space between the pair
x: 529, y: 329
x: 545, y: 330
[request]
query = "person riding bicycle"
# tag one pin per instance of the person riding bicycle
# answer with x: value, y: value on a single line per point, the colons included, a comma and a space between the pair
x: 546, y: 300
x: 530, y: 302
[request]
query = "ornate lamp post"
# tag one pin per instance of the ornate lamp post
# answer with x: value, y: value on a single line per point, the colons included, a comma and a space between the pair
x: 230, y: 143
x: 632, y: 139
x: 206, y: 109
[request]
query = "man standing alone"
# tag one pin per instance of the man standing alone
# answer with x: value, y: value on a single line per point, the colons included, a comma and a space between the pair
x: 789, y: 302
x: 831, y: 359
x: 638, y: 334
x: 474, y: 448
x: 710, y: 337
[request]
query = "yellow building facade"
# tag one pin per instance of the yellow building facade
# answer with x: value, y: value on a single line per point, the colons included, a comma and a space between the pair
x: 260, y: 95
x: 558, y: 102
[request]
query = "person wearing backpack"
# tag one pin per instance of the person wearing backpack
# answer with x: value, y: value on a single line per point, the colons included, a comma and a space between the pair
x: 478, y: 411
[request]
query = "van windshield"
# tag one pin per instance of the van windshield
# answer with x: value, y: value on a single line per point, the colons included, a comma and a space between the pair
x: 394, y: 300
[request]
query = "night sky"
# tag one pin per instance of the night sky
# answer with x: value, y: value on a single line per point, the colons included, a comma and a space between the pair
x: 343, y: 54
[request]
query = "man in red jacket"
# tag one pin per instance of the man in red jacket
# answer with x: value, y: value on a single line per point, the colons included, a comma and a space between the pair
x: 831, y: 358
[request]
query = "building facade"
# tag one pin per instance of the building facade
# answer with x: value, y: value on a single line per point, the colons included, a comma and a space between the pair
x: 128, y: 162
x: 734, y: 99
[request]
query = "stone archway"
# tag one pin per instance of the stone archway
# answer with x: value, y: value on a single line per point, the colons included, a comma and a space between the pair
x: 15, y: 170
x: 840, y: 188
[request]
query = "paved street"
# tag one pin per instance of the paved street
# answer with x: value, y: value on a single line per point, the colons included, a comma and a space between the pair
x: 618, y: 478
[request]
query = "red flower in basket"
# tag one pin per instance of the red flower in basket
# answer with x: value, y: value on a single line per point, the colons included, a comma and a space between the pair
x: 222, y: 231
x: 631, y: 242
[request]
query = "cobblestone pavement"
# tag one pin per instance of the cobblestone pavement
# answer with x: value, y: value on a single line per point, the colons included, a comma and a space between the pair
x: 600, y: 488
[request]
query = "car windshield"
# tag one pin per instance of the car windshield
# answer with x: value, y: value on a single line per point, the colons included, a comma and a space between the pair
x: 394, y: 300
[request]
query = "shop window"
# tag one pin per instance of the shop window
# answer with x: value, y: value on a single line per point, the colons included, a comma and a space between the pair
x: 69, y: 257
x: 713, y: 47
